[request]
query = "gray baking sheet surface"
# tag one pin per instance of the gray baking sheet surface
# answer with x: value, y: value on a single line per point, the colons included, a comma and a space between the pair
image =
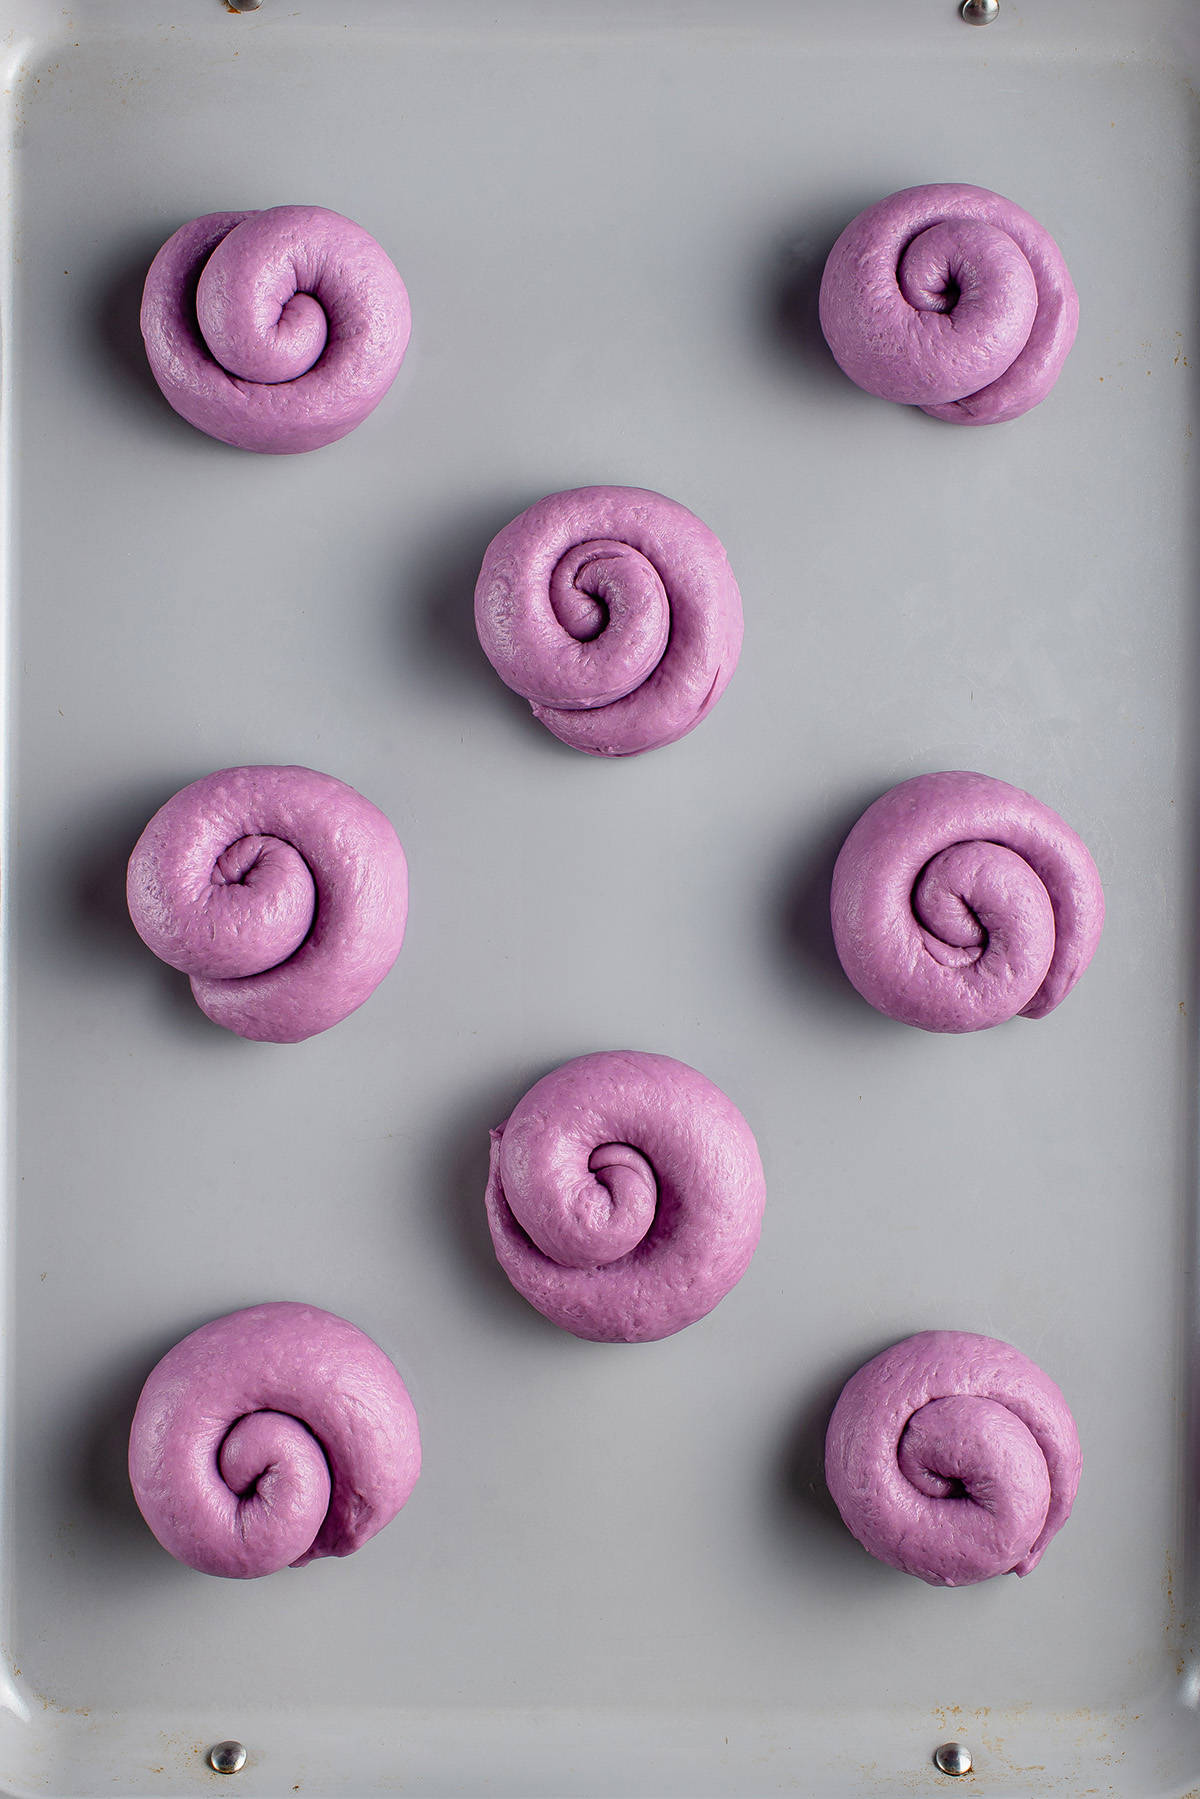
x: 620, y: 1572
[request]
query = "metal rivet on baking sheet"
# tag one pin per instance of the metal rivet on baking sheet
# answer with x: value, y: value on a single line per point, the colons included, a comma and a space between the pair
x: 245, y: 5
x: 952, y: 1758
x: 227, y: 1758
x: 979, y: 12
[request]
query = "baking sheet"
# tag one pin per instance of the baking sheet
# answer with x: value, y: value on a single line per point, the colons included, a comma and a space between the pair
x: 619, y: 1573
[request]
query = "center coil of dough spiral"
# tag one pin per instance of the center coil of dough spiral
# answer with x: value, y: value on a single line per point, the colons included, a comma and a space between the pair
x: 612, y: 606
x: 981, y: 906
x: 587, y: 1218
x: 255, y: 321
x: 975, y: 1454
x: 260, y: 906
x: 279, y: 1473
x: 977, y: 298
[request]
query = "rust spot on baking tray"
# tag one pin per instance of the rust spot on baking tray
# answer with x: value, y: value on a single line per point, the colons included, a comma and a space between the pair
x: 1101, y: 1734
x: 1176, y: 1628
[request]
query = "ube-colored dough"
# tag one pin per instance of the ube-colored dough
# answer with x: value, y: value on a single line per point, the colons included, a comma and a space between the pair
x: 269, y: 1438
x: 615, y: 613
x: 625, y: 1196
x: 959, y: 901
x: 276, y: 331
x: 953, y: 1457
x: 282, y: 892
x: 950, y: 298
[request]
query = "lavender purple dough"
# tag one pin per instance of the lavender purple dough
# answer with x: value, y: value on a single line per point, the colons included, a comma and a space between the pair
x: 614, y: 612
x: 269, y: 1438
x: 959, y: 901
x: 283, y: 893
x: 625, y: 1196
x: 952, y: 299
x: 276, y: 331
x: 953, y: 1457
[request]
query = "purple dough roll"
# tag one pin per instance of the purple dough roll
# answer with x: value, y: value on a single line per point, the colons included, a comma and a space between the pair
x: 959, y: 902
x: 625, y: 1196
x: 270, y: 1438
x: 614, y: 612
x: 953, y: 1457
x: 282, y: 892
x: 276, y: 331
x: 950, y: 298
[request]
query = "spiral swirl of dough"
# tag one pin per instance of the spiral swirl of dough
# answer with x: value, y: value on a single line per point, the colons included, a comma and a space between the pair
x: 276, y: 331
x: 269, y: 1438
x: 282, y: 892
x: 625, y: 1196
x: 953, y: 1457
x: 959, y: 901
x: 614, y: 612
x: 950, y: 298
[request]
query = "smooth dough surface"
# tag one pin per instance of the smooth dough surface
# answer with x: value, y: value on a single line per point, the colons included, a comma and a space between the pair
x: 951, y: 298
x: 280, y: 891
x: 269, y: 1438
x: 952, y: 1456
x: 276, y: 331
x: 625, y: 1196
x: 614, y: 612
x: 959, y: 901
